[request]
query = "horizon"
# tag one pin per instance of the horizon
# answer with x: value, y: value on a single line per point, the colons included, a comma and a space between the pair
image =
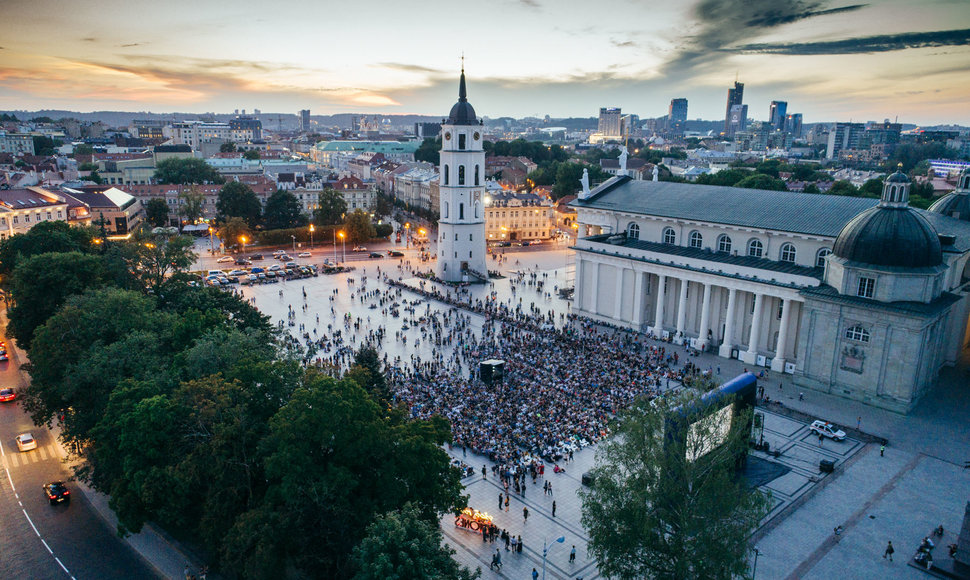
x: 829, y: 60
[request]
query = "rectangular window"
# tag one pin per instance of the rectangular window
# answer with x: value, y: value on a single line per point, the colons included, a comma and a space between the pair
x: 470, y: 238
x: 60, y: 215
x: 16, y: 219
x: 867, y: 287
x: 461, y: 140
x: 26, y: 218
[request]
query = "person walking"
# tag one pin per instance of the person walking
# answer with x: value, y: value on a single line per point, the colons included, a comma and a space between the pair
x: 499, y: 501
x: 521, y: 544
x: 572, y: 555
x: 882, y: 451
x: 515, y: 545
x: 506, y: 503
x: 484, y: 472
x: 535, y: 575
x: 553, y: 508
x: 889, y: 551
x: 525, y: 514
x: 858, y: 422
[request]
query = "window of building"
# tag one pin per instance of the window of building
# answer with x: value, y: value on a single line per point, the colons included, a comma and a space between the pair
x: 820, y: 257
x: 476, y: 175
x: 16, y: 219
x: 470, y: 238
x: 867, y: 287
x: 461, y: 175
x: 857, y: 333
x: 696, y: 240
x: 446, y: 210
x: 788, y: 253
x: 461, y: 211
x: 446, y: 174
x: 724, y: 244
x: 633, y: 231
x: 669, y: 236
x: 755, y: 248
x: 461, y: 140
x: 26, y: 218
x: 456, y: 237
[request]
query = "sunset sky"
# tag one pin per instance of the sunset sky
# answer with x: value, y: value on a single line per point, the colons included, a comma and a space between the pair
x: 831, y: 60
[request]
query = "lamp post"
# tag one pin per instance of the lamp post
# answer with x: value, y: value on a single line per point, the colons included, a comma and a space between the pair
x: 212, y: 245
x: 294, y: 243
x: 407, y: 235
x: 754, y: 571
x: 311, y: 236
x: 242, y: 239
x: 545, y: 550
x: 335, y: 245
x: 343, y: 242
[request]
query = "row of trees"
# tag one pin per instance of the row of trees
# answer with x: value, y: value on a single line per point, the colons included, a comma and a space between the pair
x: 193, y: 414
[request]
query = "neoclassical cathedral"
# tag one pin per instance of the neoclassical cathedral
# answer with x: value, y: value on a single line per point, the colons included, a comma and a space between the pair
x: 861, y: 298
x: 461, y: 227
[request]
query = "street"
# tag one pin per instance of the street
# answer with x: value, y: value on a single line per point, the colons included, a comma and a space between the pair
x: 40, y: 540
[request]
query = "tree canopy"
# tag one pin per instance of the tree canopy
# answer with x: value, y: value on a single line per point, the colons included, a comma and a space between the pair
x: 331, y: 208
x: 186, y: 171
x: 283, y: 210
x: 429, y: 151
x: 47, y: 236
x: 665, y: 501
x: 238, y: 200
x: 359, y: 227
x: 156, y: 212
x: 252, y: 155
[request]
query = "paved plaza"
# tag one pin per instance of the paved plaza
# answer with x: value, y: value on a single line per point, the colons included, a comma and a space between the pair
x: 918, y: 483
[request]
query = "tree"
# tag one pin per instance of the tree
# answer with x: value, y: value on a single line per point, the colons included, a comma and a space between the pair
x: 727, y: 177
x: 282, y: 211
x: 45, y: 145
x: 227, y: 147
x: 762, y: 181
x: 568, y: 176
x: 252, y: 155
x: 156, y: 212
x: 233, y: 230
x: 190, y: 205
x: 660, y: 506
x: 384, y: 204
x: 186, y: 171
x: 366, y: 372
x: 159, y: 256
x: 41, y: 284
x: 359, y: 227
x: 400, y: 545
x: 843, y: 187
x: 811, y: 188
x: 47, y: 236
x: 331, y: 208
x: 429, y: 151
x: 83, y: 149
x: 238, y: 200
x: 871, y: 188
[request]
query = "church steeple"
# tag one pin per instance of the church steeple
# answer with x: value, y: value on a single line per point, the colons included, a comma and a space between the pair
x: 462, y: 92
x: 462, y: 113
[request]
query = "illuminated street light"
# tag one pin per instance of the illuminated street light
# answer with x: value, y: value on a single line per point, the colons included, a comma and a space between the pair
x: 343, y: 242
x: 311, y: 236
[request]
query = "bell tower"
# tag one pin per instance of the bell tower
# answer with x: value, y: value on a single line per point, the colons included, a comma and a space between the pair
x: 461, y: 227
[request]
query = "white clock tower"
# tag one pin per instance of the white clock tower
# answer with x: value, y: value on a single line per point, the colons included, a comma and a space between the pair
x: 461, y: 228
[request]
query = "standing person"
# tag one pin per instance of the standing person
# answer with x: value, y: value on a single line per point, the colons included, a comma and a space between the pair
x: 520, y: 544
x: 889, y: 551
x: 515, y: 545
x: 499, y: 501
x: 572, y: 555
x: 506, y: 503
x: 525, y: 514
x: 858, y: 422
x: 553, y: 508
x: 484, y: 472
x: 882, y: 451
x: 535, y: 575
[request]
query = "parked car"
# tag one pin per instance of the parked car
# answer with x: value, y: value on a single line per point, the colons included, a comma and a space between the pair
x: 256, y: 257
x: 242, y: 262
x: 26, y: 442
x: 284, y: 258
x: 829, y: 430
x: 304, y: 255
x: 257, y: 270
x: 376, y: 255
x: 291, y: 265
x: 504, y: 244
x: 57, y: 492
x: 275, y: 268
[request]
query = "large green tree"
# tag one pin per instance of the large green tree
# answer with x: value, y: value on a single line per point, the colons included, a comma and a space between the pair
x: 569, y: 174
x: 48, y: 236
x: 429, y: 150
x: 282, y: 211
x: 186, y: 171
x: 331, y: 208
x: 762, y: 181
x: 233, y: 230
x: 156, y: 212
x: 190, y: 205
x: 665, y: 501
x: 400, y: 545
x: 238, y: 200
x: 359, y: 227
x: 158, y: 257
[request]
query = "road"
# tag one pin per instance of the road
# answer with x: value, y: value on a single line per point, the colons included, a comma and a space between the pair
x: 41, y: 541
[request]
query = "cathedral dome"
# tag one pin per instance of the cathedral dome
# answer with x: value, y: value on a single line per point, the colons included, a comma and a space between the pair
x: 890, y: 236
x: 956, y: 204
x: 892, y: 233
x: 462, y: 113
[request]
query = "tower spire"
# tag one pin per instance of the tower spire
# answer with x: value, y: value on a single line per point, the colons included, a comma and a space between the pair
x: 462, y: 93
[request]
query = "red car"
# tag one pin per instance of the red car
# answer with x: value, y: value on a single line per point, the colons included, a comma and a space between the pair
x: 7, y: 394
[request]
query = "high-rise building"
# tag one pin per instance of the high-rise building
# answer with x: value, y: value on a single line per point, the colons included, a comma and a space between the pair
x: 844, y: 136
x: 793, y: 124
x: 735, y: 99
x: 609, y: 125
x: 427, y: 130
x: 776, y: 115
x: 304, y: 120
x: 246, y: 128
x: 677, y: 115
x: 737, y: 119
x: 461, y: 227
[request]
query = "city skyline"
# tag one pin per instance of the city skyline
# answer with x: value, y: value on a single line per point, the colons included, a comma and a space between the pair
x: 829, y: 60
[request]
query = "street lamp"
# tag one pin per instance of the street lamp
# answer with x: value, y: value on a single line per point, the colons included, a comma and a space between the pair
x: 212, y: 245
x: 311, y: 236
x: 407, y: 235
x: 545, y: 550
x: 754, y: 572
x: 294, y: 243
x: 343, y: 242
x: 243, y: 240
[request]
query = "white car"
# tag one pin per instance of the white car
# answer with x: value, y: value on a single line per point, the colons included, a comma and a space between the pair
x: 360, y: 248
x: 829, y: 430
x: 26, y: 442
x: 224, y: 259
x: 304, y: 255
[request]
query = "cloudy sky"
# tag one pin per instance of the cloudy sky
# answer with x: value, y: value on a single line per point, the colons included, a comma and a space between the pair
x: 830, y: 59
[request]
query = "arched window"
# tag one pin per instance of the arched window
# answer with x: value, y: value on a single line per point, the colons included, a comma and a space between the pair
x: 755, y: 248
x: 820, y: 257
x: 633, y: 231
x: 461, y: 175
x: 670, y: 236
x: 724, y: 244
x: 446, y: 211
x: 857, y: 333
x: 788, y: 253
x: 461, y: 211
x: 477, y: 204
x: 446, y: 174
x: 696, y: 240
x: 476, y: 176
